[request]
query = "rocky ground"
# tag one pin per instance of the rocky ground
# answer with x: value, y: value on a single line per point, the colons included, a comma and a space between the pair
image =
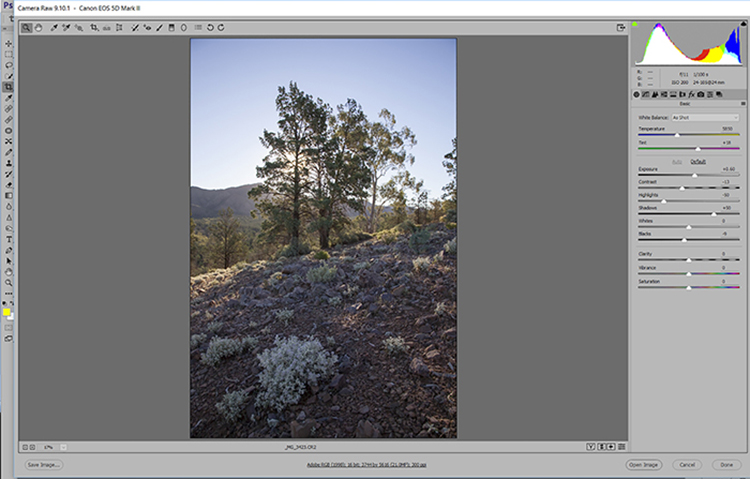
x: 376, y: 294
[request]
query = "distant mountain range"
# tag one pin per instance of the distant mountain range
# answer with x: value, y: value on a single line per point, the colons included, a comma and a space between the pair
x: 208, y: 203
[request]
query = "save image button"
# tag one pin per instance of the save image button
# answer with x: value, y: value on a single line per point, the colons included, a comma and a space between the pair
x: 44, y: 465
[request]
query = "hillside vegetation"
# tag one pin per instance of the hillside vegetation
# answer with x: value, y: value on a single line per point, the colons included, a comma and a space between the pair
x: 360, y: 342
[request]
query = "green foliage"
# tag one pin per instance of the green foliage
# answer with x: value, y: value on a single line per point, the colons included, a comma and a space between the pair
x: 388, y: 146
x: 286, y: 169
x: 352, y: 237
x: 395, y: 345
x: 321, y: 255
x: 340, y: 176
x: 334, y: 301
x: 451, y: 189
x: 450, y: 226
x: 230, y: 407
x: 289, y: 368
x: 227, y: 243
x: 406, y: 227
x: 321, y: 274
x: 292, y: 250
x: 419, y: 239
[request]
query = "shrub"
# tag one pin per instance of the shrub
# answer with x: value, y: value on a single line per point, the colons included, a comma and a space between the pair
x: 275, y: 278
x: 421, y: 264
x: 231, y: 405
x: 450, y: 225
x: 388, y: 237
x: 419, y: 239
x: 440, y: 309
x: 196, y: 340
x: 321, y: 274
x: 214, y: 326
x: 334, y: 301
x: 362, y: 265
x: 289, y: 251
x: 321, y: 255
x: 451, y: 247
x: 288, y: 368
x: 395, y: 345
x: 349, y: 237
x: 220, y: 348
x: 284, y: 315
x: 406, y: 227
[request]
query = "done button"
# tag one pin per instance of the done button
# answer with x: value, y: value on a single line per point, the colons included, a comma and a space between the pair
x: 643, y: 464
x: 727, y: 465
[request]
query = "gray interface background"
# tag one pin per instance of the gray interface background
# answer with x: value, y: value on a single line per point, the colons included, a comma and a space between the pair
x: 103, y: 195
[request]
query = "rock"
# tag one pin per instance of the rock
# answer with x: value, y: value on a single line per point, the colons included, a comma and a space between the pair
x: 421, y: 337
x: 233, y: 304
x: 373, y: 308
x: 346, y: 392
x: 302, y: 430
x: 301, y: 416
x: 250, y: 410
x: 335, y: 408
x: 338, y: 382
x: 425, y: 328
x: 324, y: 397
x: 399, y: 290
x: 431, y: 354
x: 386, y: 297
x: 290, y: 269
x: 418, y: 367
x: 345, y: 364
x: 366, y: 429
x: 449, y: 333
x: 364, y: 410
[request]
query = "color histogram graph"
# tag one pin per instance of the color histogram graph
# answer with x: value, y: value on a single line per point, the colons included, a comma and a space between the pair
x: 661, y: 50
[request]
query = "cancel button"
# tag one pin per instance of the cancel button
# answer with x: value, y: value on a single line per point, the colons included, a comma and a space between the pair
x: 687, y: 464
x: 44, y: 465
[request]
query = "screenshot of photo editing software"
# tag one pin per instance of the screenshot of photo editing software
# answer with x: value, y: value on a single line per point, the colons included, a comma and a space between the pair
x: 237, y: 240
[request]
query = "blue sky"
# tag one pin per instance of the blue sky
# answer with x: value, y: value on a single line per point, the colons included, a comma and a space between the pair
x: 234, y: 84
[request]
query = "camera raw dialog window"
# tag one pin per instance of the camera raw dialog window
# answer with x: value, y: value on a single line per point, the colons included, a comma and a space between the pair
x: 232, y: 232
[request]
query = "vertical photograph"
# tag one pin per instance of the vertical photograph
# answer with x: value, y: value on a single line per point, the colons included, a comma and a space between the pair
x: 323, y: 238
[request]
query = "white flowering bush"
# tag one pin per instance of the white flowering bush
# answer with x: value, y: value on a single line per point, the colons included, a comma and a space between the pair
x: 220, y: 348
x: 451, y: 247
x: 421, y: 264
x: 284, y: 315
x: 395, y: 345
x: 321, y: 274
x: 288, y: 368
x: 196, y: 340
x: 362, y: 265
x: 231, y: 405
x: 214, y: 326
